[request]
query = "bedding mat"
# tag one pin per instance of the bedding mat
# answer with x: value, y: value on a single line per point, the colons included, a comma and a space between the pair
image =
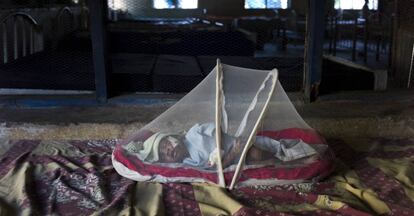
x: 37, y: 177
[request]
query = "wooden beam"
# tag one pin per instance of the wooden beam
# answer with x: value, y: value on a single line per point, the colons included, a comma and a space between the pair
x: 314, y: 47
x: 98, y: 20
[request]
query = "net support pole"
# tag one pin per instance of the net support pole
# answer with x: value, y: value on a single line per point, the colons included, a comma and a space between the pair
x: 254, y: 131
x: 218, y: 117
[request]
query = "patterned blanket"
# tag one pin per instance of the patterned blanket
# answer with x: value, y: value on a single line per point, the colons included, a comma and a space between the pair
x: 37, y: 177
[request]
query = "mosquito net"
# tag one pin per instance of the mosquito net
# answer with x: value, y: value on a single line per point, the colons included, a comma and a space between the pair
x: 235, y: 124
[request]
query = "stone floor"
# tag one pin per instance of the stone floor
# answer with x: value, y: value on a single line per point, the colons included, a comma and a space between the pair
x: 347, y: 115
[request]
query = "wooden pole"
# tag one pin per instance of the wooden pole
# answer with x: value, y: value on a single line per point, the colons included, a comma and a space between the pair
x: 99, y: 47
x: 219, y: 92
x: 314, y: 48
x: 249, y: 143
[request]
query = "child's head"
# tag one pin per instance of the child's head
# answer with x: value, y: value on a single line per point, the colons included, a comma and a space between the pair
x: 160, y: 147
x: 172, y: 150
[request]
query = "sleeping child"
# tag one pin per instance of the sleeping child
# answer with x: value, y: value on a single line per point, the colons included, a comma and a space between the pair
x: 198, y: 148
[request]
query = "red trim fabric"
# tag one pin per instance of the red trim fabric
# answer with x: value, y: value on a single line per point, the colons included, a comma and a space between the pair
x: 320, y: 168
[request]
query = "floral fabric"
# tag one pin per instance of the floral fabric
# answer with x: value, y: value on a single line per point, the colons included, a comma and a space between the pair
x: 77, y: 178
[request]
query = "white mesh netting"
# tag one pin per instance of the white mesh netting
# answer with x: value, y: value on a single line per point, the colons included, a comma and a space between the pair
x: 259, y: 128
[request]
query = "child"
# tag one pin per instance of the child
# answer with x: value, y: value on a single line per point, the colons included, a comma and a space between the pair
x: 198, y: 148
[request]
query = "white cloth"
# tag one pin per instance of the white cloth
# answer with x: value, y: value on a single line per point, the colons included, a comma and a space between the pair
x: 200, y: 143
x: 285, y: 149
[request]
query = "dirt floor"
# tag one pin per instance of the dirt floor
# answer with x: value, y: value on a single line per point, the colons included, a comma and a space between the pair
x: 350, y: 115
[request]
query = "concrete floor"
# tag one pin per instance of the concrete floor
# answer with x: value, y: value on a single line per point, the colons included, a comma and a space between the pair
x: 348, y: 115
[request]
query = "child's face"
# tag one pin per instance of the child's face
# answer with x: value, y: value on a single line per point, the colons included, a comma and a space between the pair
x: 172, y: 150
